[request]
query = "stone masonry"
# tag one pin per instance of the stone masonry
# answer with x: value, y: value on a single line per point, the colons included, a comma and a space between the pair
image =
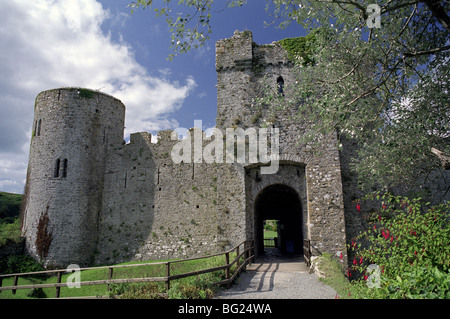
x: 92, y: 199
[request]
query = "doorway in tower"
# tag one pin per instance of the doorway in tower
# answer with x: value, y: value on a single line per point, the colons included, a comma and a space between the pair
x: 278, y: 206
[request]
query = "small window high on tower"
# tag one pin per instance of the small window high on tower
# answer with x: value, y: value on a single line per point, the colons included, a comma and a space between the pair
x: 280, y: 85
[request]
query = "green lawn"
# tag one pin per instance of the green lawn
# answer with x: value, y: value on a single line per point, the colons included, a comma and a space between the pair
x: 102, y: 274
x: 270, y: 234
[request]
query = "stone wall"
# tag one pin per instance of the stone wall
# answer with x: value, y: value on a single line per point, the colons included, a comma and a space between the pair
x: 118, y: 202
x: 74, y: 132
x: 247, y: 70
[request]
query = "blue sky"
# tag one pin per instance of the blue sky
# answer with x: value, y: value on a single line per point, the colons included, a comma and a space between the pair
x: 150, y: 38
x: 98, y: 44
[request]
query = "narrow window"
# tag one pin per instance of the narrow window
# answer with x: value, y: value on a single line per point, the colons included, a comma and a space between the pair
x: 57, y: 165
x: 280, y: 85
x: 38, y: 133
x: 35, y: 128
x: 64, y: 173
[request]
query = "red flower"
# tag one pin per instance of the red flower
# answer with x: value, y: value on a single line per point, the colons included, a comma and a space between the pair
x: 384, y: 206
x: 355, y: 262
x: 340, y: 257
x: 360, y: 261
x: 358, y: 208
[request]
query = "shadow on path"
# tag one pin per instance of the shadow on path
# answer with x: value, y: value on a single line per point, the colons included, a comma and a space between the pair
x: 277, y: 276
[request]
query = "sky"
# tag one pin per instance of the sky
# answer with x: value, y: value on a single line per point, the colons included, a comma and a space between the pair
x: 100, y: 45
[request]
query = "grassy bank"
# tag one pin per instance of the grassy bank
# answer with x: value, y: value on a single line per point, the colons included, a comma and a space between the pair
x: 195, y: 287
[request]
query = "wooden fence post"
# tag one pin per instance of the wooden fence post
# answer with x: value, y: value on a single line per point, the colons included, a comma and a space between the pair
x: 227, y: 270
x: 110, y: 275
x: 58, y: 289
x: 238, y: 258
x: 168, y: 275
x: 16, y: 279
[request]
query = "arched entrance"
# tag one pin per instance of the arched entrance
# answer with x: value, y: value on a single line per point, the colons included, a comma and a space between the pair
x: 282, y: 203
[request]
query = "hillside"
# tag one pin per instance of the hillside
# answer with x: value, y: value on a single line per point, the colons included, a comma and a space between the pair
x: 9, y: 206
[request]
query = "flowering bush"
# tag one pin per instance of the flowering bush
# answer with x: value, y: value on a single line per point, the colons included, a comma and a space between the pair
x: 405, y: 253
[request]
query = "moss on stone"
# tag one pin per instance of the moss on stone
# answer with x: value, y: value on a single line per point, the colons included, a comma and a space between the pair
x: 85, y: 93
x: 299, y: 48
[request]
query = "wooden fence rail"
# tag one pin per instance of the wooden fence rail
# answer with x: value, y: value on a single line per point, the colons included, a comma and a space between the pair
x: 247, y: 253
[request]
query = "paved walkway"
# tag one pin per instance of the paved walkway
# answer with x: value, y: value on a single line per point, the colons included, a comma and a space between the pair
x: 278, y: 277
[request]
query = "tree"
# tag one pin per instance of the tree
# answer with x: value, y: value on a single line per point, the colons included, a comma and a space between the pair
x: 379, y: 75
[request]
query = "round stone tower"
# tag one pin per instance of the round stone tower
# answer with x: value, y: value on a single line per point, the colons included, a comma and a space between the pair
x: 74, y: 131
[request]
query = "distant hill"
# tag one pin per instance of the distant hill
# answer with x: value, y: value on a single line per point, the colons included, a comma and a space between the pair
x: 9, y: 206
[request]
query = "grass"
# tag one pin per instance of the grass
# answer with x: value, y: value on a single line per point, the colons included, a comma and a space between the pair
x: 270, y: 234
x: 334, y: 277
x: 128, y: 272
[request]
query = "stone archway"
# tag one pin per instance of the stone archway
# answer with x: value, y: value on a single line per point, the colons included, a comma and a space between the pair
x: 282, y: 203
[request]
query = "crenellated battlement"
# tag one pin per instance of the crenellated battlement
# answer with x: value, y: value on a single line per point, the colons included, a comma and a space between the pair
x: 164, y: 197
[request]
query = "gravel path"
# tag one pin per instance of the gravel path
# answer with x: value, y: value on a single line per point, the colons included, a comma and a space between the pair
x: 274, y: 278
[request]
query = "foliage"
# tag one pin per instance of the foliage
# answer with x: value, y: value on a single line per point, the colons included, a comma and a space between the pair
x: 334, y: 277
x: 86, y: 93
x: 19, y: 264
x: 271, y: 225
x: 36, y: 293
x: 137, y: 291
x: 197, y: 287
x: 300, y: 48
x: 385, y: 86
x: 9, y: 206
x: 190, y: 29
x: 409, y: 242
x: 10, y: 232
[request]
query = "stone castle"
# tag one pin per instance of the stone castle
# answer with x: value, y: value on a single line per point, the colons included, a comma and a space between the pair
x: 90, y: 198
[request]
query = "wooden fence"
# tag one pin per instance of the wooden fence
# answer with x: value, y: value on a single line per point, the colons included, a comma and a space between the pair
x: 307, y: 251
x: 271, y: 242
x: 244, y: 250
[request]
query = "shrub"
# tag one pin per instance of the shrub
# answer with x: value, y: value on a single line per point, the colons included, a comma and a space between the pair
x: 408, y: 246
x: 198, y: 287
x: 19, y: 264
x: 10, y: 232
x: 137, y: 291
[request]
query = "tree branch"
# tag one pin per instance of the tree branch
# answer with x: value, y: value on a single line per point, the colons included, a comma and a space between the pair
x: 432, y: 51
x: 439, y: 12
x: 445, y: 158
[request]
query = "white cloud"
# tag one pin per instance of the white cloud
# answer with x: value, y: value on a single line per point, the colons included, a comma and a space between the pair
x: 47, y: 44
